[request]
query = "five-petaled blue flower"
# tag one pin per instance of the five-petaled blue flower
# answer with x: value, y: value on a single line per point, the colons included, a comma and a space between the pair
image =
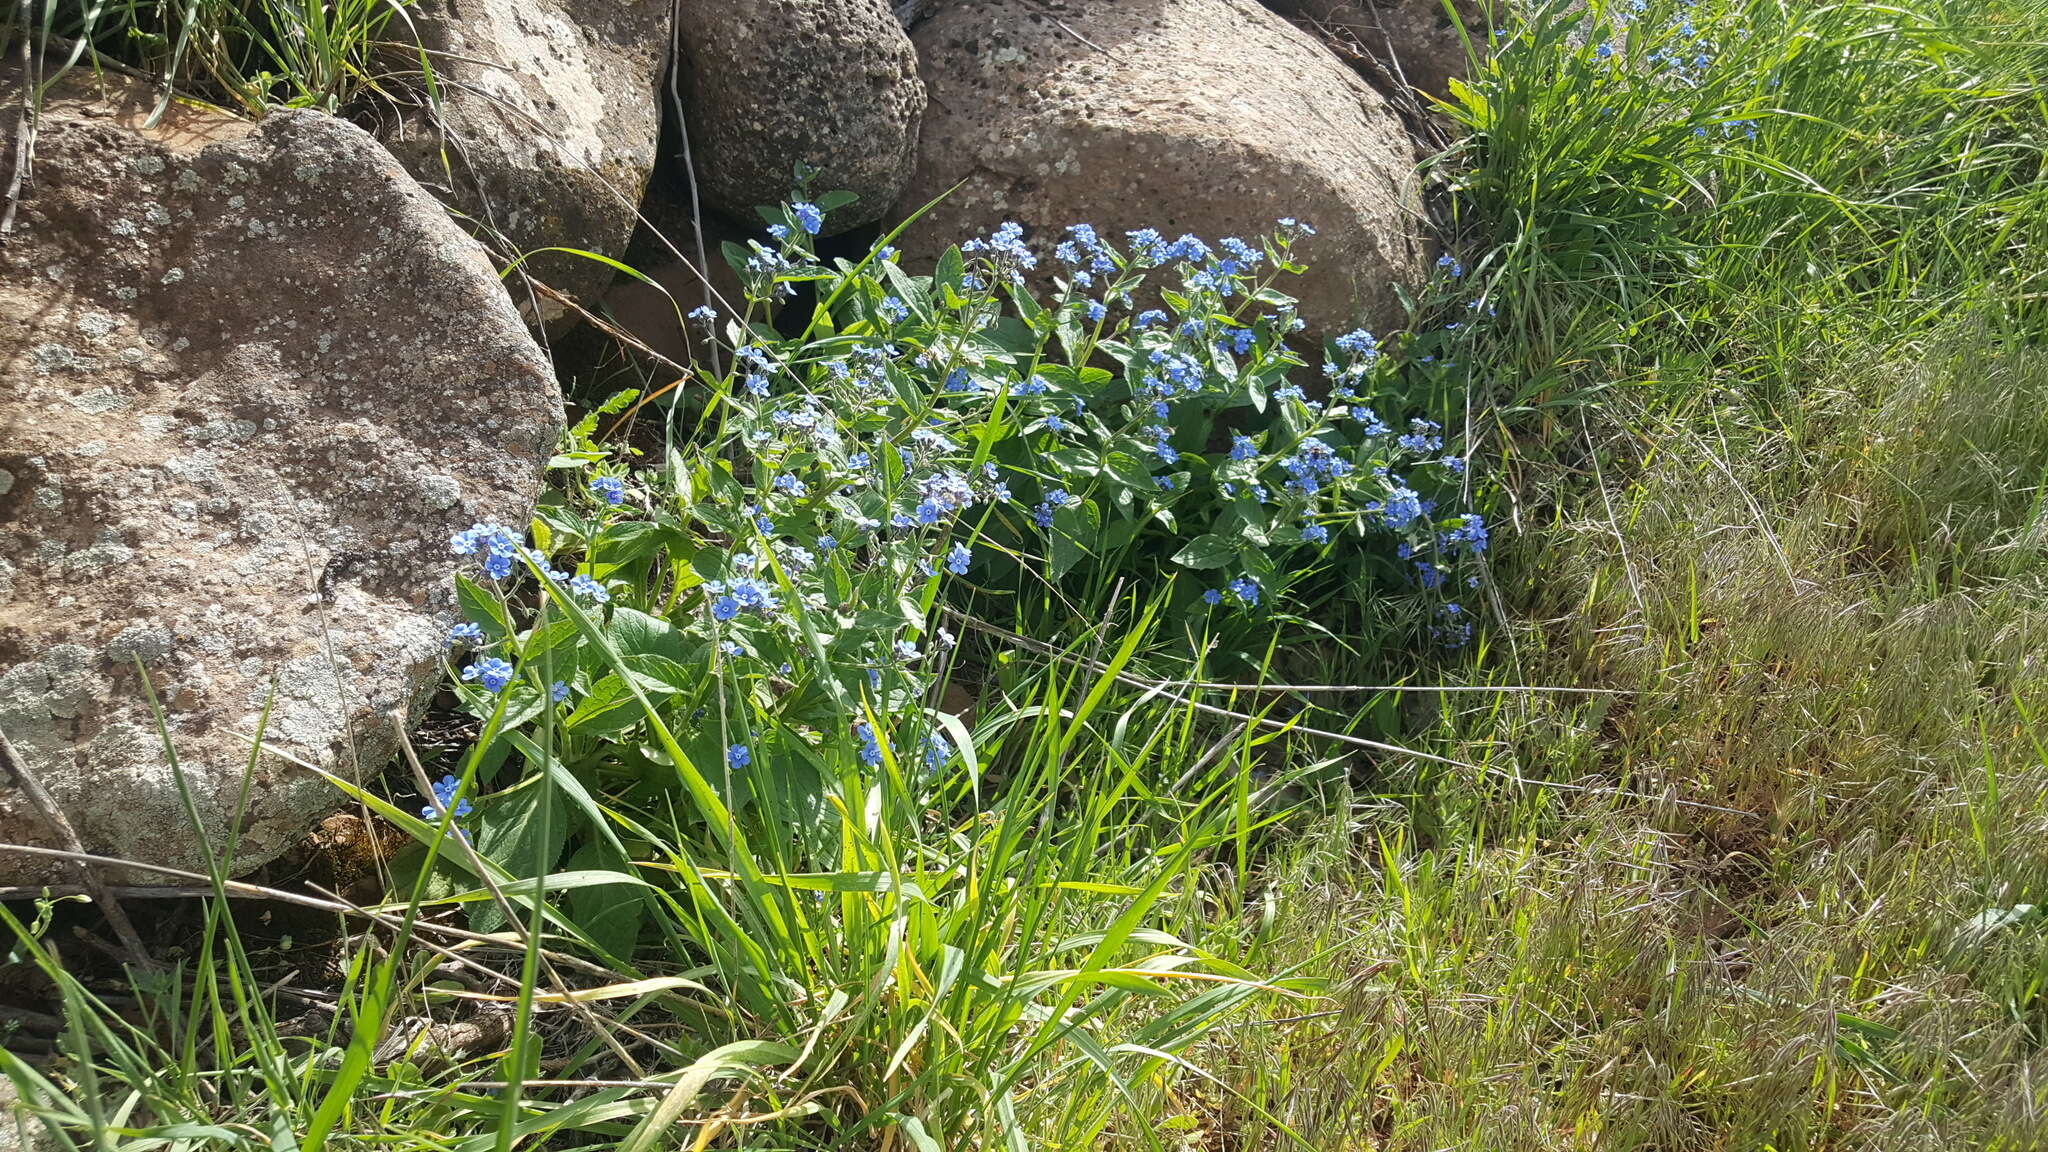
x: 1212, y: 597
x: 808, y: 217
x: 739, y: 756
x: 446, y: 791
x: 558, y: 691
x: 589, y: 589
x: 958, y: 559
x: 465, y: 633
x: 610, y: 489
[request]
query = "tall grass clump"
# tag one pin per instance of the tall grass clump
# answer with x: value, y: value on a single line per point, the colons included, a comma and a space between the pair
x: 251, y: 55
x: 1747, y: 181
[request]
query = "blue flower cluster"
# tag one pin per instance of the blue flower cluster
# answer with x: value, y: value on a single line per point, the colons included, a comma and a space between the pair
x: 744, y: 592
x: 498, y: 546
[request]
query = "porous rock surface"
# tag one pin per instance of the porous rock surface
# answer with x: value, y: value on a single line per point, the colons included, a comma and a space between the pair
x: 769, y: 84
x: 1416, y: 41
x: 547, y: 129
x: 254, y: 379
x: 1214, y: 117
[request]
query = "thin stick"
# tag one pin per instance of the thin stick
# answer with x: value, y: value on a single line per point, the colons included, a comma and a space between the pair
x: 243, y: 890
x: 675, y: 100
x: 1214, y: 686
x: 1167, y: 691
x: 25, y: 131
x: 31, y: 787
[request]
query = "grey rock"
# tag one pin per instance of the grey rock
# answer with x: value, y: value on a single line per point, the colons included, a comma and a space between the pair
x: 1415, y: 41
x: 337, y: 384
x: 769, y: 84
x: 20, y: 1131
x: 1214, y: 117
x: 547, y: 129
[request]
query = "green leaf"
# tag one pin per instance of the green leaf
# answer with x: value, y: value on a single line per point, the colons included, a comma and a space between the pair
x: 635, y: 633
x: 951, y: 269
x: 623, y: 543
x: 611, y: 913
x: 522, y: 832
x: 1074, y: 531
x: 609, y: 707
x: 480, y: 606
x: 661, y: 674
x: 1207, y: 551
x: 1131, y: 471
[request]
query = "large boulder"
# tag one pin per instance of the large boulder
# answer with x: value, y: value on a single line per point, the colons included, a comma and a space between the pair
x: 1417, y: 42
x: 771, y: 84
x: 255, y: 378
x: 547, y: 127
x: 1214, y: 117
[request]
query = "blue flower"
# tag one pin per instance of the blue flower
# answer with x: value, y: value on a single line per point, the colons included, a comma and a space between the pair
x: 779, y: 231
x: 499, y: 545
x: 958, y: 559
x: 1212, y: 597
x: 1402, y: 507
x: 1604, y: 51
x: 894, y: 310
x: 936, y: 750
x: 1313, y: 463
x: 1358, y: 341
x: 1150, y: 318
x: 610, y: 489
x: 465, y: 633
x: 1007, y: 241
x: 739, y: 756
x: 1242, y: 448
x: 870, y: 746
x: 492, y: 672
x: 827, y: 543
x: 589, y: 589
x: 704, y: 314
x: 1147, y: 246
x: 558, y: 691
x: 1246, y: 589
x: 1470, y: 534
x: 940, y: 494
x: 741, y: 593
x: 1096, y: 311
x: 1315, y: 534
x: 445, y: 800
x: 1422, y: 436
x: 808, y: 217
